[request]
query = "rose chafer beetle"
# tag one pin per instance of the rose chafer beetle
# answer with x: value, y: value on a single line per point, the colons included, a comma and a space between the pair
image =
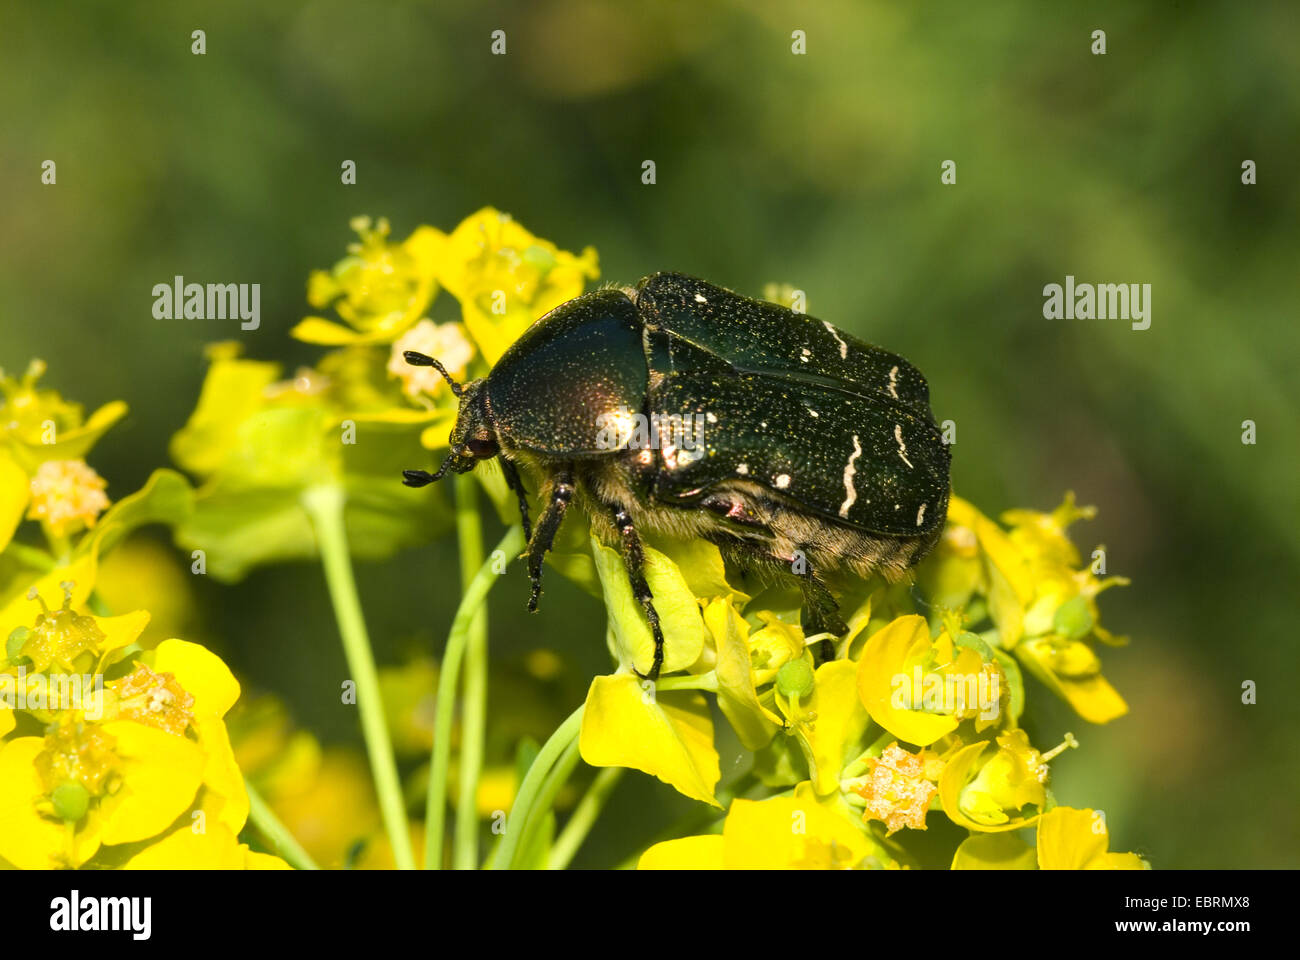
x: 791, y: 445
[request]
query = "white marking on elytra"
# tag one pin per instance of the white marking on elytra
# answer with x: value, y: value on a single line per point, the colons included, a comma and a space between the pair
x: 902, y: 447
x: 711, y: 417
x: 699, y: 298
x: 804, y: 354
x: 893, y: 384
x: 851, y: 492
x: 844, y: 347
x: 813, y: 412
x: 920, y: 514
x: 743, y: 469
x: 782, y: 481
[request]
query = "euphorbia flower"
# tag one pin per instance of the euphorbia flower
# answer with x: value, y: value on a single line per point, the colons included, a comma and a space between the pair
x: 380, y: 289
x: 38, y: 427
x: 505, y: 277
x: 921, y: 689
x: 1002, y: 791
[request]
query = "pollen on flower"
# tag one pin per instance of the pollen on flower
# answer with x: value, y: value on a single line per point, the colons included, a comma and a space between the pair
x: 65, y: 494
x: 896, y: 790
x: 444, y: 341
x: 79, y: 752
x: 60, y: 636
x: 154, y: 699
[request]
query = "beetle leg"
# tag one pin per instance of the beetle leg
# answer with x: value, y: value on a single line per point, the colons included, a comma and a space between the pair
x: 823, y: 613
x: 515, y: 484
x: 560, y: 492
x: 634, y: 560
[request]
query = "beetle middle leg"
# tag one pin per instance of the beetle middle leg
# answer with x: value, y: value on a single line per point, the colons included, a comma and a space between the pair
x: 558, y: 491
x: 634, y: 560
x: 511, y: 474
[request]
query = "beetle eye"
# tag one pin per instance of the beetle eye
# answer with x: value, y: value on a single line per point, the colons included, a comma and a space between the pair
x: 482, y: 449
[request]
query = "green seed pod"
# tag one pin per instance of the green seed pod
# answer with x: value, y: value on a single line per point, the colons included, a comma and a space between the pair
x: 14, y: 645
x: 795, y: 678
x: 1073, y: 619
x: 71, y: 801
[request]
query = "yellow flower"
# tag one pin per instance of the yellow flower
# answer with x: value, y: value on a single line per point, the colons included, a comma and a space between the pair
x: 505, y: 277
x: 444, y: 341
x: 1070, y: 839
x: 155, y: 699
x: 897, y: 790
x: 381, y: 288
x: 996, y: 797
x: 781, y: 833
x: 921, y: 689
x: 1044, y: 609
x: 61, y: 636
x: 39, y: 426
x: 66, y: 494
x: 122, y: 782
x: 103, y: 778
x: 65, y: 638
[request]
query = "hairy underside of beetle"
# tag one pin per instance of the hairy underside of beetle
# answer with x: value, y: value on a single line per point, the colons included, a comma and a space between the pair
x: 749, y: 522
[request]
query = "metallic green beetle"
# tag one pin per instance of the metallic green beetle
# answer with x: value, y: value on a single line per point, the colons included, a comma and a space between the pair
x: 687, y: 410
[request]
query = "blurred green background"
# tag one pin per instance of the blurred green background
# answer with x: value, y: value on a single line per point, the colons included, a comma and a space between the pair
x: 820, y: 170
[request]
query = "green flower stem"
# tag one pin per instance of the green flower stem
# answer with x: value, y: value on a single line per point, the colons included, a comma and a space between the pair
x: 555, y: 782
x: 583, y: 818
x: 473, y: 710
x: 324, y: 505
x: 284, y: 842
x: 564, y: 734
x: 435, y: 811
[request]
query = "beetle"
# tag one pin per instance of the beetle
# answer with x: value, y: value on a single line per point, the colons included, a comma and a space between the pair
x: 684, y: 409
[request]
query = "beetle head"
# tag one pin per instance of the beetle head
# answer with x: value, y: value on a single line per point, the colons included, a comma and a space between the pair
x: 472, y: 438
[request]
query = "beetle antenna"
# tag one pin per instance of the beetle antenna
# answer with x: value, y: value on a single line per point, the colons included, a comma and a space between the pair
x: 422, y: 478
x: 416, y: 359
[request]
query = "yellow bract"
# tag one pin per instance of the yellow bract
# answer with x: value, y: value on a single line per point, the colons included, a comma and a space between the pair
x: 1070, y: 839
x: 668, y: 735
x: 783, y: 833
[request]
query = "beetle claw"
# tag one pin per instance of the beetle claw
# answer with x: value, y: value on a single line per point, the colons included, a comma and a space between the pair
x: 417, y: 478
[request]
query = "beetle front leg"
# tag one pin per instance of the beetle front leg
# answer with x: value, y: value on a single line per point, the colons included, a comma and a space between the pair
x: 634, y: 560
x: 515, y: 484
x: 559, y: 491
